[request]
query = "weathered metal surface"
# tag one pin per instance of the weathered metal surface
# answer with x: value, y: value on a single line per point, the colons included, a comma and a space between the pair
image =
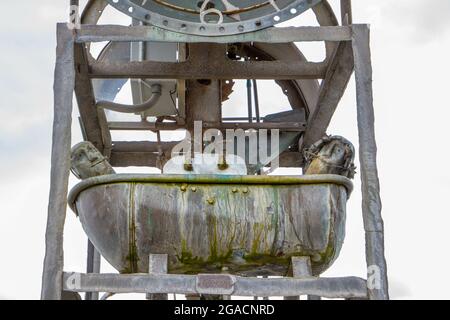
x: 213, y: 19
x: 370, y: 184
x: 249, y: 224
x: 332, y: 89
x: 63, y: 94
x: 346, y: 12
x: 93, y: 121
x: 96, y: 33
x: 333, y: 288
x: 222, y: 69
x: 158, y: 264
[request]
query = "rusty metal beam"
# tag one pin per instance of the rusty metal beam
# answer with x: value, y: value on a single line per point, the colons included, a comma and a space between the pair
x: 92, y: 119
x: 222, y: 70
x: 350, y: 287
x: 96, y: 33
x: 145, y: 154
x: 370, y: 184
x: 168, y: 126
x: 143, y: 146
x: 52, y: 286
x: 331, y: 92
x: 139, y: 158
x: 346, y: 12
x: 282, y: 126
x: 204, y: 97
x: 134, y: 159
x: 144, y: 126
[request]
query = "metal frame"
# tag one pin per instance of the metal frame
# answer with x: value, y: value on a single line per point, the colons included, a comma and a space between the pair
x: 136, y: 11
x: 353, y: 48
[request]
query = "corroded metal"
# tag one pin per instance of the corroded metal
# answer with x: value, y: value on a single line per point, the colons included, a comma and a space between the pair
x: 208, y: 18
x: 349, y: 287
x: 251, y: 225
x: 63, y: 94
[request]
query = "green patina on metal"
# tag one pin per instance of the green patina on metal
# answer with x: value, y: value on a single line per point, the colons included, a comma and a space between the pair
x: 186, y: 257
x: 132, y: 257
x: 242, y: 231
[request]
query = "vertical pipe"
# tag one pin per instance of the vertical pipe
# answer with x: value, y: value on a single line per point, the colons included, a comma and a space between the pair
x: 93, y: 266
x: 60, y: 164
x: 346, y: 12
x: 371, y: 202
x: 249, y: 101
x: 256, y: 95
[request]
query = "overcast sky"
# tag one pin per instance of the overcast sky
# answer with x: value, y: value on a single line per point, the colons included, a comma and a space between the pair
x: 410, y: 43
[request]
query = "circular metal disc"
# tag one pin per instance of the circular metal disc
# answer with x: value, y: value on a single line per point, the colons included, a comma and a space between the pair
x: 213, y: 17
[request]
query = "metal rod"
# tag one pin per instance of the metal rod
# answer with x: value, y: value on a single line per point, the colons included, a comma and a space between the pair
x: 370, y: 185
x: 346, y: 12
x: 93, y: 266
x: 249, y: 101
x: 60, y: 165
x: 256, y: 97
x: 164, y: 126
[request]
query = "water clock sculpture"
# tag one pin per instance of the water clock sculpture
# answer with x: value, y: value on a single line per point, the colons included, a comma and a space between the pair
x: 211, y: 223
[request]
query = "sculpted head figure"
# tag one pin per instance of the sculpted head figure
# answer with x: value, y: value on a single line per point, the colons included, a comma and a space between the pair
x: 331, y: 155
x: 88, y: 162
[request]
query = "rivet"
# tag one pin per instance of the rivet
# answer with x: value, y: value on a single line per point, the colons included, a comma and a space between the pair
x: 234, y: 190
x: 211, y: 201
x: 184, y: 187
x: 245, y: 190
x: 194, y: 189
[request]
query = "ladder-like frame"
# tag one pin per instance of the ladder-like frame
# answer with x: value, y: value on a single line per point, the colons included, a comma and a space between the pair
x: 350, y: 37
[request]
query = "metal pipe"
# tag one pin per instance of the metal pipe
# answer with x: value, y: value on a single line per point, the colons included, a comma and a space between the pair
x: 249, y: 100
x: 256, y: 97
x: 123, y: 108
x: 93, y: 266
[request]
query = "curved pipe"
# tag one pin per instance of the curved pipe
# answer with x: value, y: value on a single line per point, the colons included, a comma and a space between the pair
x: 123, y: 108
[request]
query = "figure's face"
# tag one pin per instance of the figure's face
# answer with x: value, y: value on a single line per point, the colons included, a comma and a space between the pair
x: 88, y: 162
x: 336, y: 152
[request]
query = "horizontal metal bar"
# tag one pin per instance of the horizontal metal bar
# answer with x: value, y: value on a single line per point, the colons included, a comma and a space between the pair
x: 225, y: 69
x: 143, y: 146
x: 282, y: 126
x: 139, y: 158
x: 348, y: 287
x: 144, y: 126
x: 97, y: 33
